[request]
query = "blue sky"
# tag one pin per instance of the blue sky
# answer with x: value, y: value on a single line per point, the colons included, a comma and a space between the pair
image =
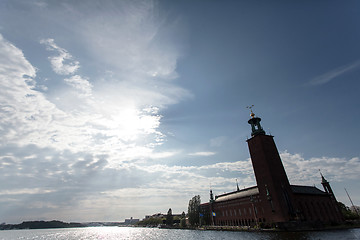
x: 118, y: 109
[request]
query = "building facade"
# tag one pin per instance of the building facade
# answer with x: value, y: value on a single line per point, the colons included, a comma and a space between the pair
x: 273, y: 201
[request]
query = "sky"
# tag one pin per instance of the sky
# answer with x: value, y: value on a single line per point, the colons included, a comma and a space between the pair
x: 119, y: 109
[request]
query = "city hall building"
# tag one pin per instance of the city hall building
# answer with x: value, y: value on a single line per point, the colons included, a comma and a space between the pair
x: 274, y: 201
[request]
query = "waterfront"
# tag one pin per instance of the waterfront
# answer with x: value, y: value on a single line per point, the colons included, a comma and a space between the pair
x: 128, y: 233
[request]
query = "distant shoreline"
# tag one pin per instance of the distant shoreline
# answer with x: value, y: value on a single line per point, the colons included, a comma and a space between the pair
x: 59, y: 224
x: 40, y: 225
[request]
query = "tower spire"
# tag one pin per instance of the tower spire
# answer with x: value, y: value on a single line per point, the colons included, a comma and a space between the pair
x: 323, y: 180
x: 211, y: 194
x: 237, y: 185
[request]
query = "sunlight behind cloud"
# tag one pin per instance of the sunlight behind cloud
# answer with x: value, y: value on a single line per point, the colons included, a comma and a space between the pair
x: 119, y: 116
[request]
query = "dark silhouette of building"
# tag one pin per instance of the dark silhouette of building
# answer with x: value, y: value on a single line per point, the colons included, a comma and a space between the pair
x: 273, y: 202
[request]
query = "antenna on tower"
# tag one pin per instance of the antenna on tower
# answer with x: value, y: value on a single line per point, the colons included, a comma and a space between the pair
x: 352, y: 202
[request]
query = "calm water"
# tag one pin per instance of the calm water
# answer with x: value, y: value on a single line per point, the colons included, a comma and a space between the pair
x: 168, y: 234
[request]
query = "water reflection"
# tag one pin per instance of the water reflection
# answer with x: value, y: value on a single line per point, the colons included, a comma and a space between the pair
x: 112, y: 233
x: 350, y: 234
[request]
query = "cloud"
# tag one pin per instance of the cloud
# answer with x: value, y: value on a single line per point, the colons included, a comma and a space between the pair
x: 102, y: 123
x: 13, y: 63
x: 161, y: 155
x: 328, y: 76
x: 133, y: 36
x: 75, y: 187
x: 83, y: 86
x: 66, y: 149
x: 63, y: 63
x: 203, y: 154
x: 25, y: 191
x: 306, y: 171
x: 23, y: 110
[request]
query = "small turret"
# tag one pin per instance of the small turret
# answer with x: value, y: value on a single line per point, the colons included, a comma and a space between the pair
x: 326, y: 184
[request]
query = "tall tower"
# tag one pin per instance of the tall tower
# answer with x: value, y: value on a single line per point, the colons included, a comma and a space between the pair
x: 271, y: 178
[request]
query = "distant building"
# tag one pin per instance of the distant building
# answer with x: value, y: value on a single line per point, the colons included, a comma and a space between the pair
x: 161, y: 215
x: 131, y: 221
x: 273, y: 202
x: 156, y: 215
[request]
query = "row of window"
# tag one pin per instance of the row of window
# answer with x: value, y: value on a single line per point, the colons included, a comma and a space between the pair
x: 238, y: 212
x: 318, y: 211
x: 239, y: 222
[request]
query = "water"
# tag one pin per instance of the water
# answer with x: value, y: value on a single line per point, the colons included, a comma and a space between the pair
x: 113, y: 233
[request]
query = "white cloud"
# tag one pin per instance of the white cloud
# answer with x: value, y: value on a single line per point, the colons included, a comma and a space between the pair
x: 161, y: 155
x: 203, y: 154
x: 82, y: 85
x: 62, y: 63
x: 13, y: 63
x: 90, y: 140
x: 328, y: 76
x: 306, y: 171
x: 23, y: 110
x: 99, y: 125
x: 25, y: 191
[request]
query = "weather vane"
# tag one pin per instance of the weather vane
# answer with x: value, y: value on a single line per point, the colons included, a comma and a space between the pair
x: 251, y: 114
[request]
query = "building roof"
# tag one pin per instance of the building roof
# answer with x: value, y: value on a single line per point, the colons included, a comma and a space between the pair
x: 306, y: 190
x: 237, y: 194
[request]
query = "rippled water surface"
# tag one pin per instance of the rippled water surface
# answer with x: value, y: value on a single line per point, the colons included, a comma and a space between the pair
x: 154, y: 233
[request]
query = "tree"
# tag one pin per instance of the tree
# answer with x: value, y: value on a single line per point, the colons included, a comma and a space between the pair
x: 193, y: 210
x: 169, y: 217
x: 183, y: 220
x: 346, y: 212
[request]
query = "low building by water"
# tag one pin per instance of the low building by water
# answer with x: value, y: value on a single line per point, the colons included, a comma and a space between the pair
x: 131, y: 221
x: 273, y: 201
